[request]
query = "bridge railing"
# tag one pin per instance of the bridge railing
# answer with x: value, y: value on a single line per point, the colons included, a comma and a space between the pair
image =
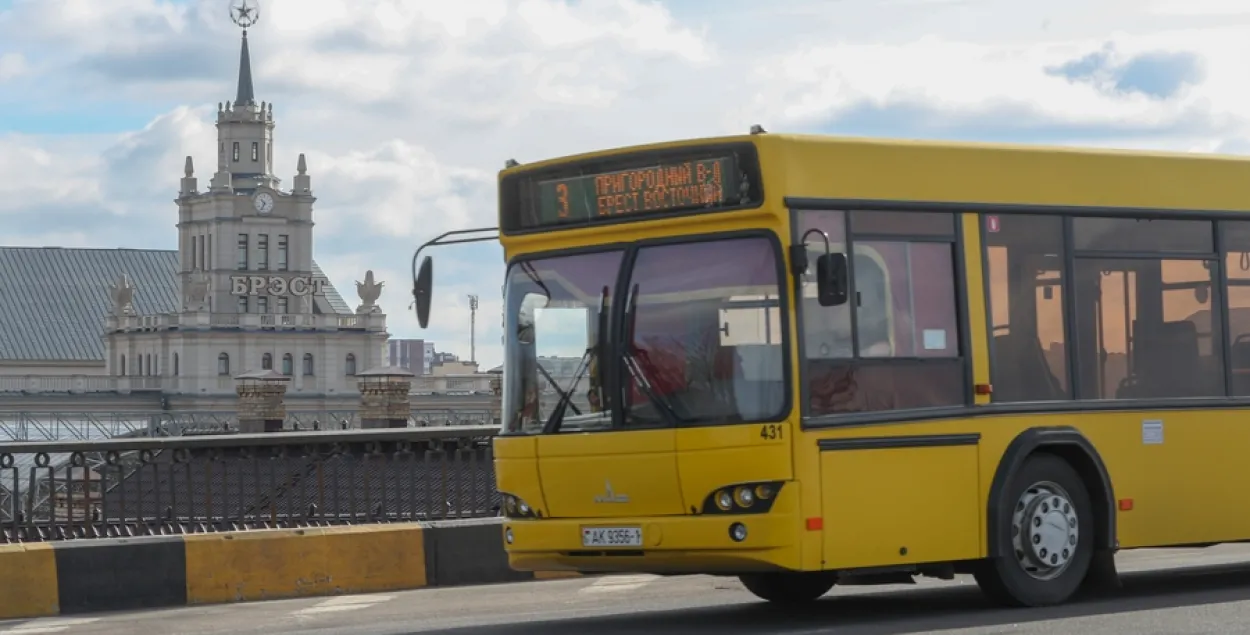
x: 60, y: 490
x: 24, y: 426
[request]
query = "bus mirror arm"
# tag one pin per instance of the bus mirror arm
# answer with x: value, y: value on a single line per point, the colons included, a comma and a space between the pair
x: 423, y: 280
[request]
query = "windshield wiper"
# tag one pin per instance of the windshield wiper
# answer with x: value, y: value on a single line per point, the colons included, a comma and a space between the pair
x: 556, y: 385
x: 596, y: 350
x: 662, y: 404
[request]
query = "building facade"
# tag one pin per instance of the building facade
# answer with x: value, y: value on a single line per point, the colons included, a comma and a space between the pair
x: 240, y: 293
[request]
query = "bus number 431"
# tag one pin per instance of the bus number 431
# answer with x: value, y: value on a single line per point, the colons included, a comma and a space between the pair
x: 772, y: 431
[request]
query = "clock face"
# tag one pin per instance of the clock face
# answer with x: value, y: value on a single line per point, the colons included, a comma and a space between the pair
x: 263, y: 202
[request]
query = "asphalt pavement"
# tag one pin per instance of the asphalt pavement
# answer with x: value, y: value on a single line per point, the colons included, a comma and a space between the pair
x: 1170, y: 592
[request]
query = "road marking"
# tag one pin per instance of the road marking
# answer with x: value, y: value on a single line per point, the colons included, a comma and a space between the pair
x: 56, y: 625
x: 618, y: 583
x: 343, y: 603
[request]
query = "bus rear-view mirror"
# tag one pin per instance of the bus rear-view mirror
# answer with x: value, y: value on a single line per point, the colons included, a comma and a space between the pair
x: 831, y: 279
x: 421, y: 290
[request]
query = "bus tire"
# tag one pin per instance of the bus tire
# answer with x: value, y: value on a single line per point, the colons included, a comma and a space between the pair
x: 1045, y: 539
x: 788, y: 588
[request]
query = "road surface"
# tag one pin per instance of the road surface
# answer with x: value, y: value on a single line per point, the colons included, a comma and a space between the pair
x: 1165, y: 591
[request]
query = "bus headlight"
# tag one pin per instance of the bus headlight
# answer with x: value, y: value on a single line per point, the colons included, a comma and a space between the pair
x: 742, y: 498
x: 515, y: 507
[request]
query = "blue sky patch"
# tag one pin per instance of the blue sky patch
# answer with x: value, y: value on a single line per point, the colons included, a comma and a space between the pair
x: 1158, y: 74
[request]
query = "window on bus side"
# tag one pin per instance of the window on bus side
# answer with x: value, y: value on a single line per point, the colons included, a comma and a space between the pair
x: 1236, y: 259
x: 1024, y: 266
x: 896, y: 344
x: 1145, y: 315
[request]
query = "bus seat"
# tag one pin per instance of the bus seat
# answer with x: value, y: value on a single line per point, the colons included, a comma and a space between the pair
x: 1169, y: 363
x: 664, y: 367
x: 726, y: 367
x: 1239, y: 360
x: 1028, y: 376
x: 1239, y: 352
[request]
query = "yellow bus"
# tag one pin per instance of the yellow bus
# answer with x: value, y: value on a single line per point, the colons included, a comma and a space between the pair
x: 806, y: 361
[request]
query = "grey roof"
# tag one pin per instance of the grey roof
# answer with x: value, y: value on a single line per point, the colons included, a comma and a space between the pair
x: 54, y: 300
x: 335, y: 300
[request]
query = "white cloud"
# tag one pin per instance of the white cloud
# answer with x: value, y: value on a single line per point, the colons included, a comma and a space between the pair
x: 406, y: 109
x: 12, y: 65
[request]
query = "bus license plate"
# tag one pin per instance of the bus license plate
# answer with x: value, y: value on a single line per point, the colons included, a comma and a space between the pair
x: 611, y: 536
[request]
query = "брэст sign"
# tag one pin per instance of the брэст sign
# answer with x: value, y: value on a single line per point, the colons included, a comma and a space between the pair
x: 277, y: 285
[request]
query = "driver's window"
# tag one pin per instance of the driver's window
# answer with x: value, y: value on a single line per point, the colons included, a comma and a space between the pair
x: 550, y: 324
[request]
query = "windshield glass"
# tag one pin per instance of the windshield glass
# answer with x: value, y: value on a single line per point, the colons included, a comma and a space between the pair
x: 706, y: 343
x: 703, y: 323
x: 550, y: 322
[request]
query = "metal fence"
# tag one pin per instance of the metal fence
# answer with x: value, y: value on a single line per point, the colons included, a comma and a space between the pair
x: 25, y: 426
x: 59, y: 490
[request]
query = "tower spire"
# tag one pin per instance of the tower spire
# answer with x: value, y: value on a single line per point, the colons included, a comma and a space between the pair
x: 246, y: 96
x: 245, y: 14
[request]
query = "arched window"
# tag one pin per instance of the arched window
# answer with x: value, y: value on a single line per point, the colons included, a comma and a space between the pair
x: 287, y: 364
x: 223, y: 364
x: 349, y: 368
x: 308, y: 364
x: 266, y: 361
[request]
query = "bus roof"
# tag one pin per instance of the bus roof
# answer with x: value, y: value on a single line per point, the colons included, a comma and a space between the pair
x: 832, y: 142
x: 797, y: 166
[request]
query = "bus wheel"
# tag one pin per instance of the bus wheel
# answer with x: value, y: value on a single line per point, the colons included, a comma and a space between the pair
x: 1045, y: 537
x: 788, y: 588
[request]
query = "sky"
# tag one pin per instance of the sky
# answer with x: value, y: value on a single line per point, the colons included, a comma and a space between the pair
x: 407, y: 109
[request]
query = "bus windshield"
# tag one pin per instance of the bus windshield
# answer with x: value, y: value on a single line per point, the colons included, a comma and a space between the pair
x: 703, y: 337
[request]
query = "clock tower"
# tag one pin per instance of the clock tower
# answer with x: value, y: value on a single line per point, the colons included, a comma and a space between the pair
x: 245, y: 245
x: 249, y: 295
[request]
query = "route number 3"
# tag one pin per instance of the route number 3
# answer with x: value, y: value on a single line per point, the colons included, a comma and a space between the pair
x: 562, y: 199
x: 772, y: 432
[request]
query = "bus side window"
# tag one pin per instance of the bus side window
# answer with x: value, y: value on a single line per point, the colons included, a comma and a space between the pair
x: 1024, y: 265
x: 1236, y: 260
x: 902, y: 318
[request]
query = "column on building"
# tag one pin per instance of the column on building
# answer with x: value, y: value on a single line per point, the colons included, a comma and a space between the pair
x: 384, y: 398
x: 262, y: 401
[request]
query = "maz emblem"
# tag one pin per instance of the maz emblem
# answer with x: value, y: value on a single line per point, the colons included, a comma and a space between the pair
x: 610, y: 496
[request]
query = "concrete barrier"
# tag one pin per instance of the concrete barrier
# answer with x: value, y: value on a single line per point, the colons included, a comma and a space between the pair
x: 29, y: 575
x: 84, y: 576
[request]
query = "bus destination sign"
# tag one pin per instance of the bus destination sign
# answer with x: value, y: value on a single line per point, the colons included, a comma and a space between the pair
x: 666, y: 186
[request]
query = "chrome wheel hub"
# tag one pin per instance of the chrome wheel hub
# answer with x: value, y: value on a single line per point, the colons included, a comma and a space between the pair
x: 1044, y: 530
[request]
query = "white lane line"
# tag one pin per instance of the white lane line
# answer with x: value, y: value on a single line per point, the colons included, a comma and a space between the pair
x: 619, y: 583
x: 343, y: 603
x: 54, y: 625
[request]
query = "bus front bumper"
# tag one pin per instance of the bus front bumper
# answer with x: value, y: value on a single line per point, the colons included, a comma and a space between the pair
x: 684, y: 544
